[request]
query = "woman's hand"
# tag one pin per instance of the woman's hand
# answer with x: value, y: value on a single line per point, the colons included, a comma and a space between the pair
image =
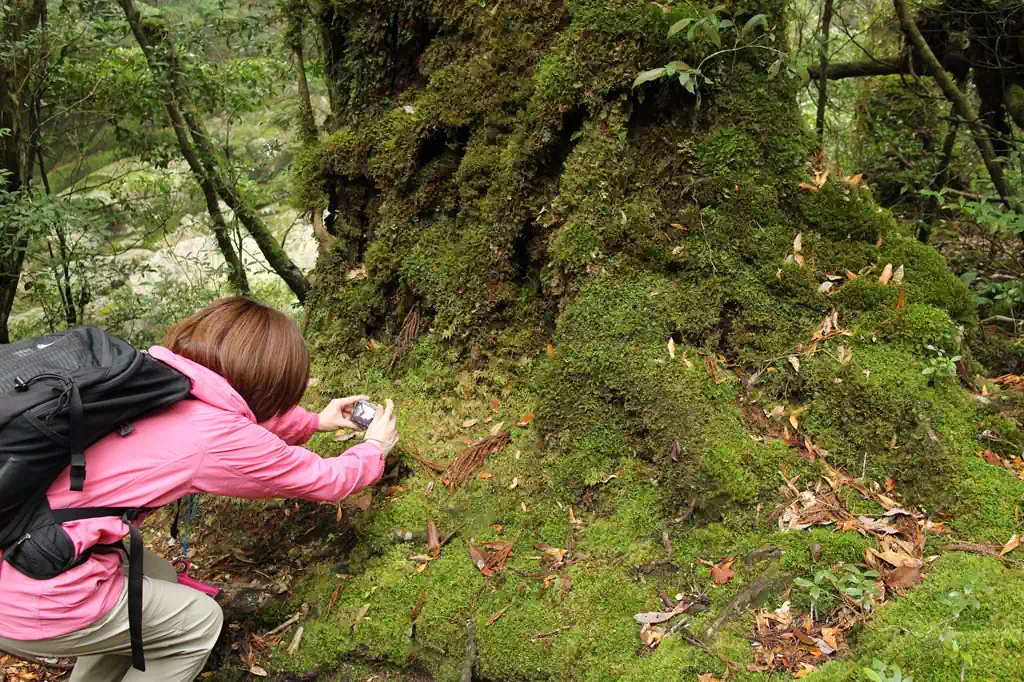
x: 381, y: 431
x: 338, y: 414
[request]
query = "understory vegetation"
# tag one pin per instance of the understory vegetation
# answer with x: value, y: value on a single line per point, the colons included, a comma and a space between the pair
x: 701, y: 320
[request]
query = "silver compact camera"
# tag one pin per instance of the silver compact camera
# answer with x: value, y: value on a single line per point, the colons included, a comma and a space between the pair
x: 363, y: 413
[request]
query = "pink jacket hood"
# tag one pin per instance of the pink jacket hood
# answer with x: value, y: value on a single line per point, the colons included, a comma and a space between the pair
x: 207, y: 385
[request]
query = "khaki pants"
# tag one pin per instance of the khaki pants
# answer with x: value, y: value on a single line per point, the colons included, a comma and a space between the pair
x: 179, y: 628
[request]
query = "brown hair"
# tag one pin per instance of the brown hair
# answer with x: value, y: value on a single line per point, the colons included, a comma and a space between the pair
x: 257, y: 349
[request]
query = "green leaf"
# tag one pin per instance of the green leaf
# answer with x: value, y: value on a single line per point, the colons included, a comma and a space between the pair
x: 754, y: 22
x: 672, y: 68
x: 711, y: 33
x: 649, y: 75
x: 872, y: 675
x: 773, y: 70
x: 803, y: 583
x: 725, y: 23
x: 679, y: 26
x: 805, y: 75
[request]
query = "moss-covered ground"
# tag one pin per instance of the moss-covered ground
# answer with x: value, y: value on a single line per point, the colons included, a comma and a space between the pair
x: 645, y: 273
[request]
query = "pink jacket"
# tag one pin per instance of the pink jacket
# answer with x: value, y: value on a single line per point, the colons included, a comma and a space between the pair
x: 208, y: 445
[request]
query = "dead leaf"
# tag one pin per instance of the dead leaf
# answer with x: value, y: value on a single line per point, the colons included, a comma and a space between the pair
x: 829, y: 635
x: 671, y: 348
x: 821, y: 177
x: 722, y: 573
x: 255, y: 670
x: 653, y: 617
x: 799, y: 258
x: 845, y: 355
x: 897, y: 276
x: 493, y: 619
x: 798, y: 243
x: 557, y: 554
x: 356, y: 274
x: 469, y: 422
x: 851, y: 275
x: 904, y: 577
x: 805, y: 670
x: 478, y: 557
x: 679, y: 227
x: 707, y: 677
x: 878, y: 243
x: 991, y: 457
x: 901, y: 300
x: 495, y: 404
x: 342, y: 437
x: 496, y: 429
x: 886, y: 275
x: 1010, y: 545
x: 363, y: 500
x: 525, y: 421
x: 808, y: 186
x: 551, y: 351
x: 796, y: 413
x: 676, y: 451
x: 514, y: 484
x: 854, y: 180
x: 433, y: 539
x: 485, y: 476
x: 795, y: 362
x: 421, y: 568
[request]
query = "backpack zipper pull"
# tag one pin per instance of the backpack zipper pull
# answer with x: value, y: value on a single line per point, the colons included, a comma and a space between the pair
x: 20, y: 385
x: 125, y: 429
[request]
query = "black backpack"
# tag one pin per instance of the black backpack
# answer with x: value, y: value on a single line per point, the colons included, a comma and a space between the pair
x: 59, y: 394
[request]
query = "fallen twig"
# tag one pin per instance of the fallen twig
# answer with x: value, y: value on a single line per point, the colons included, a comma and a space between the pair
x: 284, y: 626
x: 542, y: 635
x: 293, y: 648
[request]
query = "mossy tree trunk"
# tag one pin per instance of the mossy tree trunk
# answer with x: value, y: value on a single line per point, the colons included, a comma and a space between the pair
x: 494, y: 167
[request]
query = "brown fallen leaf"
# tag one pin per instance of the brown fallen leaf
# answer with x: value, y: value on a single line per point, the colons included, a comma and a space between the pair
x: 854, y: 180
x: 676, y: 451
x: 830, y: 637
x: 551, y: 350
x: 419, y: 607
x: 707, y: 677
x: 493, y: 619
x: 1010, y: 545
x: 798, y: 243
x: 671, y: 348
x: 495, y: 404
x: 433, y: 539
x: 254, y: 670
x: 362, y: 500
x: 805, y: 670
x: 525, y: 421
x: 722, y: 573
x: 679, y: 227
x: 904, y: 577
x: 796, y: 413
x: 808, y: 186
x: 886, y: 275
x: 897, y: 275
x: 879, y: 242
x: 479, y: 559
x: 901, y: 300
x: 514, y: 484
x: 851, y: 275
x: 556, y: 554
x: 991, y: 457
x: 486, y: 476
x: 496, y: 429
x: 469, y: 422
x: 795, y: 362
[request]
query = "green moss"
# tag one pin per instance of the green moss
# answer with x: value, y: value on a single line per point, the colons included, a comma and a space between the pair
x: 907, y: 631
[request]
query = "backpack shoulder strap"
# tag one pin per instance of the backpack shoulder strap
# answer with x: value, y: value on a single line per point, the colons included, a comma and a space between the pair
x: 135, y: 550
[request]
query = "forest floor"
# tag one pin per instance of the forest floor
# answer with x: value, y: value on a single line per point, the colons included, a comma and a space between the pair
x: 604, y: 587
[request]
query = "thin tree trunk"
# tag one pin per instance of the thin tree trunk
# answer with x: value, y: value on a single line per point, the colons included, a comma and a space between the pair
x: 236, y: 274
x: 950, y: 142
x: 826, y: 26
x: 295, y: 15
x: 179, y: 108
x: 16, y: 151
x: 961, y: 104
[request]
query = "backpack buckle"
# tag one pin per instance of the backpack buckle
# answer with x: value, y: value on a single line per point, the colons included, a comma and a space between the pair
x: 20, y: 385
